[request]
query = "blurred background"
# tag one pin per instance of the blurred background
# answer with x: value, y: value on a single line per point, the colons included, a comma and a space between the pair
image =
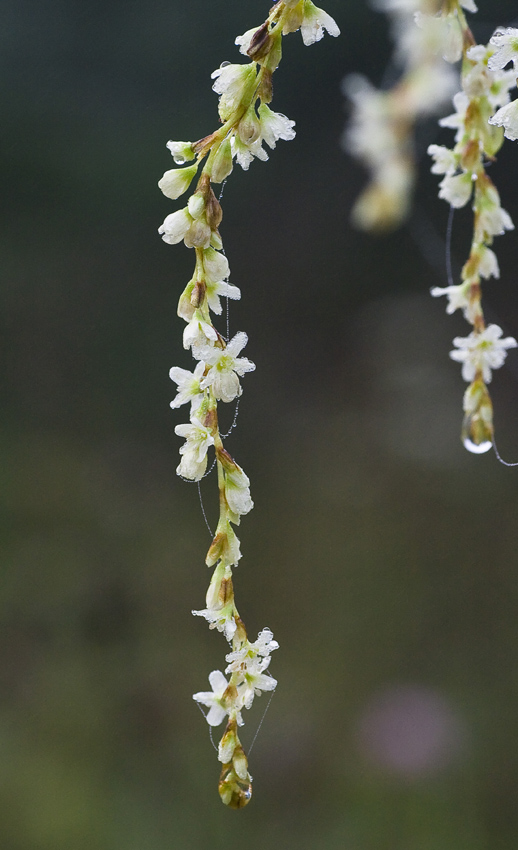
x: 382, y: 554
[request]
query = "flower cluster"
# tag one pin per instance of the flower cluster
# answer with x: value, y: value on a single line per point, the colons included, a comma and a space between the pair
x: 247, y: 122
x: 505, y: 44
x: 426, y: 32
x: 485, y: 88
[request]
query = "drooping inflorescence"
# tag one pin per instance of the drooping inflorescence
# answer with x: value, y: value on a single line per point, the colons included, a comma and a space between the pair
x: 431, y: 36
x: 427, y: 37
x: 480, y: 106
x: 244, y: 90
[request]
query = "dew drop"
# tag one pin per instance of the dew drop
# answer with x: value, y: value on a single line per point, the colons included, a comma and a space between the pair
x: 477, y: 448
x: 179, y: 159
x: 224, y: 64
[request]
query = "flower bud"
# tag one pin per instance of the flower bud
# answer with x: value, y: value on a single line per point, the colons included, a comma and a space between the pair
x: 182, y: 152
x: 249, y: 128
x: 196, y: 205
x: 222, y: 163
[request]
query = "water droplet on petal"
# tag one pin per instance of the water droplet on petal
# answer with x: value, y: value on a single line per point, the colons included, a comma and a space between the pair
x: 179, y: 159
x: 224, y: 64
x: 477, y: 448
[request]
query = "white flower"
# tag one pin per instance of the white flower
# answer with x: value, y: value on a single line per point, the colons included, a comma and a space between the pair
x: 175, y: 226
x: 237, y: 491
x: 181, y: 225
x: 314, y: 22
x: 198, y: 334
x: 493, y: 220
x: 182, y: 152
x: 469, y: 5
x: 233, y: 83
x: 458, y: 296
x: 252, y: 679
x: 245, y: 153
x: 506, y: 42
x: 226, y: 290
x: 441, y: 35
x: 275, y: 126
x: 176, y: 181
x: 194, y: 451
x: 457, y: 119
x: 188, y: 386
x: 446, y: 160
x: 225, y: 366
x: 503, y: 81
x: 265, y: 644
x: 481, y: 352
x: 214, y: 700
x: 221, y: 619
x: 456, y: 189
x: 507, y: 117
x: 215, y: 265
x: 488, y: 263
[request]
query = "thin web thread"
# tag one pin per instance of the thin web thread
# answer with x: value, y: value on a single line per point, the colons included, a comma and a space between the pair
x: 210, y: 727
x: 202, y: 506
x: 260, y: 723
x: 234, y: 422
x: 497, y: 453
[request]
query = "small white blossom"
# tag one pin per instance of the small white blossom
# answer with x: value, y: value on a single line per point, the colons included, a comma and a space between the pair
x: 215, y: 265
x: 456, y: 121
x: 244, y: 153
x: 252, y: 678
x: 482, y: 352
x: 446, y: 160
x: 441, y: 35
x: 175, y: 226
x: 194, y: 451
x: 506, y: 43
x: 493, y: 219
x: 458, y: 296
x: 456, y: 189
x: 275, y: 126
x: 314, y: 22
x: 188, y: 386
x: 221, y: 619
x: 503, y: 82
x: 214, y: 700
x: 176, y: 181
x: 198, y: 334
x: 262, y: 647
x: 488, y: 263
x: 223, y: 289
x: 265, y: 644
x: 232, y: 83
x: 237, y: 491
x: 507, y: 117
x: 225, y: 366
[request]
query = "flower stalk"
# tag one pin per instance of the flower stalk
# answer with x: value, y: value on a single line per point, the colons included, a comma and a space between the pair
x: 485, y: 88
x: 244, y: 90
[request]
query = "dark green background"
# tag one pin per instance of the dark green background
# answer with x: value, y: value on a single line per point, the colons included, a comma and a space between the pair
x: 381, y: 554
